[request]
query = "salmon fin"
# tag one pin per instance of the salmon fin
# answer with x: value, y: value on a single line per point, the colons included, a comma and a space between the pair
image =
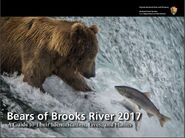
x: 130, y: 110
x: 139, y: 107
x: 138, y: 124
x: 150, y: 115
x: 148, y: 94
x: 163, y: 119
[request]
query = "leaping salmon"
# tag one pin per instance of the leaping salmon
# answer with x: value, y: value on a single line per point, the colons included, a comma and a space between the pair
x: 142, y: 100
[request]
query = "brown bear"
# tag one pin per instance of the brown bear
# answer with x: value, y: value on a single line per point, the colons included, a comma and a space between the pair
x: 38, y: 47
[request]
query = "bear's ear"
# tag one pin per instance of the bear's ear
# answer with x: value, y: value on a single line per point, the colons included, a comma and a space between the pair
x: 78, y: 34
x: 77, y: 28
x: 94, y: 28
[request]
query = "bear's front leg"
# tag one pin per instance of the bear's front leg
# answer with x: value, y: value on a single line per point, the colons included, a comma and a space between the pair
x: 34, y: 79
x: 74, y: 79
x: 35, y: 66
x: 34, y: 82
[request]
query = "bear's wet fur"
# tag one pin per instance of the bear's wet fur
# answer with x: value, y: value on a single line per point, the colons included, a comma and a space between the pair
x: 38, y: 47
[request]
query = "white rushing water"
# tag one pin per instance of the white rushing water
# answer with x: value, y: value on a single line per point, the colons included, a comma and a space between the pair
x: 146, y: 53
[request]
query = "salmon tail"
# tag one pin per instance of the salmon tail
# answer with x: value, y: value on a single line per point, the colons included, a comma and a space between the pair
x: 163, y: 119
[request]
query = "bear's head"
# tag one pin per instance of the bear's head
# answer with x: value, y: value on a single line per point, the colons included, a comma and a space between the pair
x: 84, y: 48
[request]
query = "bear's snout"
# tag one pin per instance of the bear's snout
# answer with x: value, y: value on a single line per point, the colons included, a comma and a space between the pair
x: 87, y: 75
x: 92, y: 73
